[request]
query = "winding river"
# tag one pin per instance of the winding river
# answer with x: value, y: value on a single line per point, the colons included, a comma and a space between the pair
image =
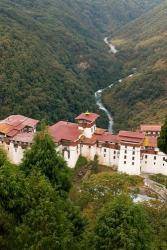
x: 98, y: 94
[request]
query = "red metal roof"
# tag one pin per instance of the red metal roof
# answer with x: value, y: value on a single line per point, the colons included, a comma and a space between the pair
x: 20, y: 120
x: 150, y: 127
x: 15, y: 123
x: 5, y: 128
x: 24, y: 137
x: 90, y: 117
x: 65, y: 131
x: 129, y: 136
x: 107, y: 137
x: 13, y: 132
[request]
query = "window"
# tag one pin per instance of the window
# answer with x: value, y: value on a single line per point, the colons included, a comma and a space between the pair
x: 114, y: 152
x: 124, y: 162
x: 114, y: 157
x: 125, y: 157
x: 104, y: 155
x: 89, y: 146
x: 154, y: 163
x: 154, y: 157
x: 145, y: 162
x: 133, y: 147
x: 68, y: 154
x: 164, y: 159
x: 105, y: 150
x: 133, y: 152
x: 133, y: 158
x: 133, y: 163
x: 125, y: 151
x: 145, y: 156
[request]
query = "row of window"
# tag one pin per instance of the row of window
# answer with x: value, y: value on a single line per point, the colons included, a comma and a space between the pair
x: 132, y: 152
x: 105, y: 150
x: 146, y: 157
x: 132, y: 163
x: 133, y: 158
x: 114, y: 157
x: 127, y: 147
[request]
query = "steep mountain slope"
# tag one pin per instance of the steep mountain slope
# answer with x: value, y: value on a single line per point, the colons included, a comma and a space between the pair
x: 142, y: 45
x: 117, y: 13
x: 52, y: 53
x: 50, y: 61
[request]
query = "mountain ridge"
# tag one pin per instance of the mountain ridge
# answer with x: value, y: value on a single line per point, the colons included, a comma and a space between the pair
x: 142, y: 98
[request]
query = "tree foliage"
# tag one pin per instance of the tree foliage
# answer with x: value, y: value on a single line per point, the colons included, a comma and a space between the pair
x: 162, y: 140
x: 3, y: 157
x: 123, y: 225
x: 43, y: 156
x: 33, y: 214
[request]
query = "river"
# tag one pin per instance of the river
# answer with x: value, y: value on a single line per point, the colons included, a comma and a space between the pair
x: 98, y: 94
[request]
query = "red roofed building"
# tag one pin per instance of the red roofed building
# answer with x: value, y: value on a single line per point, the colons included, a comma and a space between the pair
x: 128, y: 152
x: 65, y: 131
x: 14, y: 124
x: 131, y: 137
x: 16, y: 134
x: 151, y: 129
x: 88, y: 117
x: 67, y: 136
x: 88, y: 122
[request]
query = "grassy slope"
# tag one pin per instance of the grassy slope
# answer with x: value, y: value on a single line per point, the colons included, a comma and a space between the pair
x: 43, y: 46
x: 143, y: 98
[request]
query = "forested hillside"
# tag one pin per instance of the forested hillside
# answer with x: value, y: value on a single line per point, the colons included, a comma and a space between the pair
x: 142, y: 45
x: 52, y: 55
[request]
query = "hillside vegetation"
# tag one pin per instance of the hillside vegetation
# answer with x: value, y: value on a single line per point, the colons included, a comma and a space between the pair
x: 142, y: 45
x: 52, y: 54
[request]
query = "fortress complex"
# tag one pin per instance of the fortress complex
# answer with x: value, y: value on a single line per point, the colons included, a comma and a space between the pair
x: 128, y: 151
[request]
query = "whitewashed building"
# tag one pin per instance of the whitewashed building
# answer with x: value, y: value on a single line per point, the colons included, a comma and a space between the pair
x: 129, y: 152
x: 16, y: 134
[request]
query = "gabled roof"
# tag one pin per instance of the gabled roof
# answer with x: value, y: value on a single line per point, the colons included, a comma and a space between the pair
x: 129, y: 136
x: 20, y: 121
x: 65, y: 131
x: 150, y: 127
x: 5, y: 128
x: 13, y: 124
x: 90, y: 117
x: 24, y: 137
x: 107, y: 137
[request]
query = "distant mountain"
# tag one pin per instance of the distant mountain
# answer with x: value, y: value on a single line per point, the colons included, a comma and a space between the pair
x: 52, y: 55
x: 142, y: 44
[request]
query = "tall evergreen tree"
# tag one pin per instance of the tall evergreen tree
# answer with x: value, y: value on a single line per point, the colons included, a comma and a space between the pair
x: 162, y: 140
x: 44, y: 156
x: 122, y: 225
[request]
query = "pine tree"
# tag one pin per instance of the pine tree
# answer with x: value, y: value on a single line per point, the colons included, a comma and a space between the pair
x: 43, y: 155
x: 162, y: 140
